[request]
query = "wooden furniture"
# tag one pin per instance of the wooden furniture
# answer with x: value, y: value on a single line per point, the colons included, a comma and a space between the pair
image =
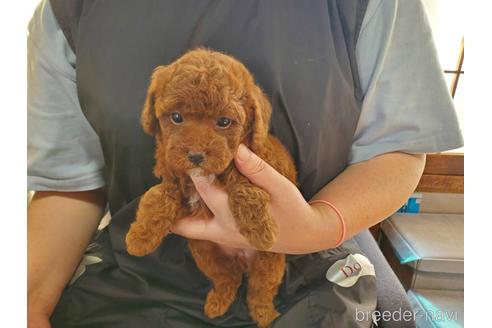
x: 443, y: 172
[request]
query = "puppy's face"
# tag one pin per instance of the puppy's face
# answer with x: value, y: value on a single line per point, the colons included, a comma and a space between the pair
x: 200, y: 108
x: 202, y: 125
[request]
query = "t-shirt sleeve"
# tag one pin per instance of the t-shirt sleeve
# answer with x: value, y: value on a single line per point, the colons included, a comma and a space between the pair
x: 406, y: 106
x: 63, y: 151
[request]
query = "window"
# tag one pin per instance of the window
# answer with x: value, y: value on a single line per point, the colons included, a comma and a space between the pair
x: 448, y: 31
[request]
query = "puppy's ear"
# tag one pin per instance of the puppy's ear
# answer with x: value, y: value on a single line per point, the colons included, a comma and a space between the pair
x: 149, y: 119
x: 262, y: 111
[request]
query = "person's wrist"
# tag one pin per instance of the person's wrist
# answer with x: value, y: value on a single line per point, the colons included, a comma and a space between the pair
x: 330, y: 223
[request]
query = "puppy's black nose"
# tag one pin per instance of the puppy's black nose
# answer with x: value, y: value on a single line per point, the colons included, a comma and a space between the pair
x: 195, y: 157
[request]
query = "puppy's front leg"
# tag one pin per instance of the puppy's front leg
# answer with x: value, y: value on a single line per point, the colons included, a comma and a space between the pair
x: 157, y: 210
x: 250, y: 207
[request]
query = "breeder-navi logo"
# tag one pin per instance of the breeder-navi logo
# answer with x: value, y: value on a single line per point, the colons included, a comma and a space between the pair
x: 407, y: 315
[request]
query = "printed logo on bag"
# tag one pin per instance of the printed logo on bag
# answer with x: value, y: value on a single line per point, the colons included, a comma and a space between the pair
x: 347, y: 271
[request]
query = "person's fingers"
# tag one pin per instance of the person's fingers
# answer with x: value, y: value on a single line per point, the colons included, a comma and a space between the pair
x: 259, y: 172
x: 211, y: 194
x: 190, y: 227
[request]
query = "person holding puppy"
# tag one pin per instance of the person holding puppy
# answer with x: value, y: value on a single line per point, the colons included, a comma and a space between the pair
x: 338, y: 76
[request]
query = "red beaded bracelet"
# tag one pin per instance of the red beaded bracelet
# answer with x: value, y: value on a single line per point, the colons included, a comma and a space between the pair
x: 340, y: 217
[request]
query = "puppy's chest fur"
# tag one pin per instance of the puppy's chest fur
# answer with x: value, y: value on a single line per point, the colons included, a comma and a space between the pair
x: 197, y: 207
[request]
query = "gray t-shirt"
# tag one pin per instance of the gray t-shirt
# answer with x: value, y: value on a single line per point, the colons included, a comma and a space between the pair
x: 406, y: 106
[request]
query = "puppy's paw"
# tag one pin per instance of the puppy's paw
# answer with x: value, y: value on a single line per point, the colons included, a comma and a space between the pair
x: 263, y: 314
x: 216, y: 305
x: 250, y: 207
x: 141, y: 241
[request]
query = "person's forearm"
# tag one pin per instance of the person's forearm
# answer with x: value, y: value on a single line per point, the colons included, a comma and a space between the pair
x: 59, y: 227
x: 367, y: 192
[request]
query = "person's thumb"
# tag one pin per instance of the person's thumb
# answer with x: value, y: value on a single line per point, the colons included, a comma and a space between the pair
x: 258, y: 171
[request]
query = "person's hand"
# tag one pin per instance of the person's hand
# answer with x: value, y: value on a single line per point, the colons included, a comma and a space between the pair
x: 37, y: 320
x: 301, y: 227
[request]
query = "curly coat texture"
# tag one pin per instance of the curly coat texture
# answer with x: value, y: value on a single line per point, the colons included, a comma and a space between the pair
x: 199, y: 109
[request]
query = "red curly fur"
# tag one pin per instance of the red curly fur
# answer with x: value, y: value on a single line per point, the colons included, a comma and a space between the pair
x: 203, y: 86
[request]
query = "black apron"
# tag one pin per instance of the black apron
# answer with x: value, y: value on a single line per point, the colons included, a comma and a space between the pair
x: 302, y: 54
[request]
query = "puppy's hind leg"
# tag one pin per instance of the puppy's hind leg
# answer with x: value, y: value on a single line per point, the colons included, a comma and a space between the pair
x: 156, y: 213
x: 224, y: 273
x: 264, y: 278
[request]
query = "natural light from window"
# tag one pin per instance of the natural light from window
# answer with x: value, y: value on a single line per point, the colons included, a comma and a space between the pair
x: 448, y: 30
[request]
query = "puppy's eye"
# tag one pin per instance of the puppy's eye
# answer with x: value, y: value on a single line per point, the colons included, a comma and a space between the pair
x: 223, y: 122
x: 177, y: 118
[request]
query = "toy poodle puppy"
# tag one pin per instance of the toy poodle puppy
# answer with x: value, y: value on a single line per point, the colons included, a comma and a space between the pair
x: 200, y: 108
